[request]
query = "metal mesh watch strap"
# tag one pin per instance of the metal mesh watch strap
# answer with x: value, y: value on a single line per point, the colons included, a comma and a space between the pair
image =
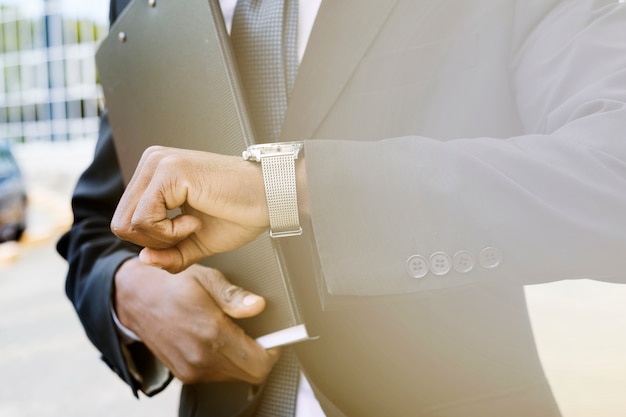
x: 278, y: 162
x: 279, y: 176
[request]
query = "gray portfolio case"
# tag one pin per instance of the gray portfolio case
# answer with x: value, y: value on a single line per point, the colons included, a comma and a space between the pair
x: 169, y: 79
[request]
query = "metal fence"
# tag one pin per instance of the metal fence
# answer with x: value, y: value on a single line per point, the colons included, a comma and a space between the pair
x: 48, y: 81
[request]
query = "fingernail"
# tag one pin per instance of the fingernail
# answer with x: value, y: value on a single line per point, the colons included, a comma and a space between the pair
x: 145, y: 258
x: 250, y: 299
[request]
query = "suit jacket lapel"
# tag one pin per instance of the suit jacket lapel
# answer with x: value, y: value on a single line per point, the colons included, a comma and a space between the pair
x: 342, y: 33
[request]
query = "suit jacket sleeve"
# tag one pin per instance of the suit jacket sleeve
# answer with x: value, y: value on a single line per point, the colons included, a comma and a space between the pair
x: 94, y: 253
x: 548, y: 204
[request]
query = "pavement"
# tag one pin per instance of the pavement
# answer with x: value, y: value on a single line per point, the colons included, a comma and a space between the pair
x: 49, y: 369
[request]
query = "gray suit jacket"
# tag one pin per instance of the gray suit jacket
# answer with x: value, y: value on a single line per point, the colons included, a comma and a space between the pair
x: 458, y: 150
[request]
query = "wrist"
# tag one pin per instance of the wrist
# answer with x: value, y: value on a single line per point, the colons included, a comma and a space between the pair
x: 124, y: 290
x: 126, y: 335
x: 253, y: 193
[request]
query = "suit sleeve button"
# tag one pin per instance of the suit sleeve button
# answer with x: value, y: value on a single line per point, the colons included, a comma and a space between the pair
x: 463, y: 261
x: 417, y: 266
x: 490, y: 258
x: 440, y: 263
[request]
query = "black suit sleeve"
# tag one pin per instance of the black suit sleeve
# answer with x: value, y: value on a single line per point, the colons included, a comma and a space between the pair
x: 94, y: 253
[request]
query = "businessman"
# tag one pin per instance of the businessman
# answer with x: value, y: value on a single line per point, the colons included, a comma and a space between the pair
x: 453, y: 152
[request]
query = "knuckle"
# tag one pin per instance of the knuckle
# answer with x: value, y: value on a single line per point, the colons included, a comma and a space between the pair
x: 259, y: 374
x: 135, y: 223
x: 153, y: 150
x: 212, y: 335
x: 151, y: 154
x: 216, y: 274
x: 188, y: 374
x: 209, y: 277
x: 199, y: 357
x: 196, y: 359
x: 115, y: 227
x: 120, y: 230
x: 155, y: 156
x: 231, y: 293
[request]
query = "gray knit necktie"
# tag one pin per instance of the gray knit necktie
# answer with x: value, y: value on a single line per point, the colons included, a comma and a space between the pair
x: 264, y: 39
x: 281, y: 389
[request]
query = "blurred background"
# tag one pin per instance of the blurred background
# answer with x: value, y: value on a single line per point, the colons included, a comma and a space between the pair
x: 49, y: 107
x: 49, y: 89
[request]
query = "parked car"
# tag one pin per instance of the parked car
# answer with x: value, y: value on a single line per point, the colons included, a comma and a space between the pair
x: 12, y: 197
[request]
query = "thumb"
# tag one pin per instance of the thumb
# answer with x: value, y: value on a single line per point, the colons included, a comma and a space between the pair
x: 232, y: 299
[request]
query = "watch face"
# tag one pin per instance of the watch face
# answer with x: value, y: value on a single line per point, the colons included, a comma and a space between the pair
x: 255, y: 152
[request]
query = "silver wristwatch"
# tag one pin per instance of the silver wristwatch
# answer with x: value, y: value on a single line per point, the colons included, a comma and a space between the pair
x: 278, y: 162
